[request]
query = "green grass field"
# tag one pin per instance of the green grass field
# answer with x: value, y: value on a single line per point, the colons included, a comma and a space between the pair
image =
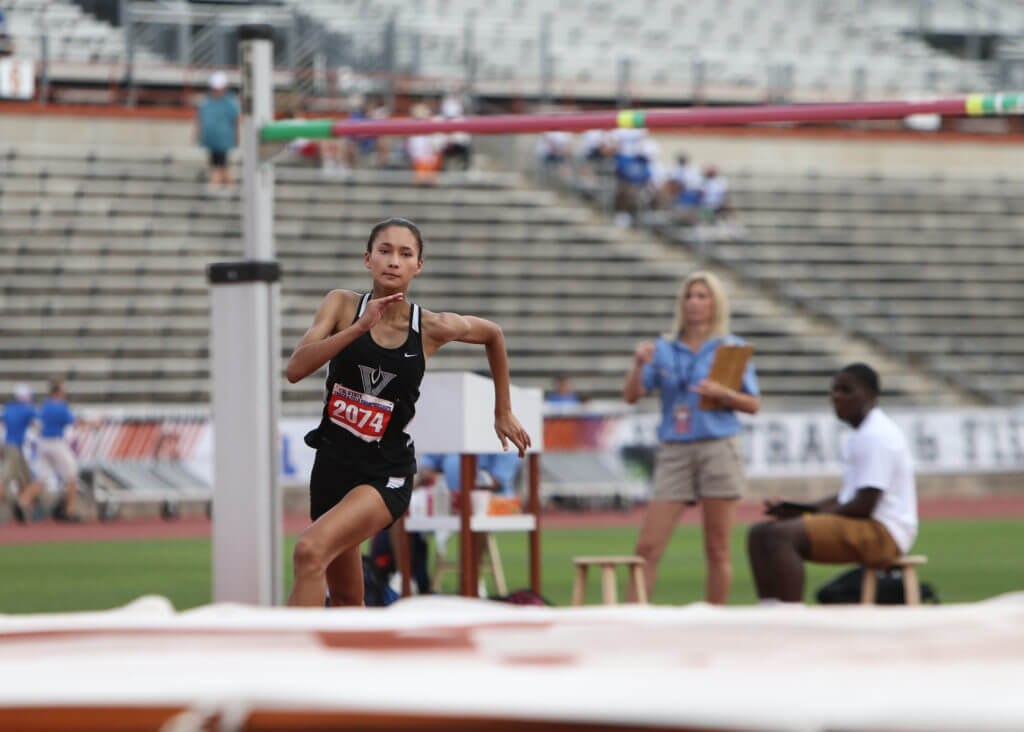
x: 968, y: 561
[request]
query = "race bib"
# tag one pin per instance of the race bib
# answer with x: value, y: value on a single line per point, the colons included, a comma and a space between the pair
x: 363, y: 415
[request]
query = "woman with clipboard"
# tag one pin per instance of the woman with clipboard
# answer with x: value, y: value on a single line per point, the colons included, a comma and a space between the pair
x: 704, y: 376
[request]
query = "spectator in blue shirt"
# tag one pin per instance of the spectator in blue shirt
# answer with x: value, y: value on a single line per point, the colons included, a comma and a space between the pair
x: 635, y: 161
x: 54, y: 450
x: 503, y: 467
x: 700, y: 459
x: 564, y: 395
x: 18, y: 415
x: 218, y: 124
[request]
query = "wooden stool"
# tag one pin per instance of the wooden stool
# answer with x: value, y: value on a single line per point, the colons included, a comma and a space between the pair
x: 911, y: 586
x: 490, y: 561
x: 608, y: 564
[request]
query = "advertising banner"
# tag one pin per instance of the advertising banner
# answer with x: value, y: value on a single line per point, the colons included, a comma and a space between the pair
x: 776, y: 444
x: 17, y: 78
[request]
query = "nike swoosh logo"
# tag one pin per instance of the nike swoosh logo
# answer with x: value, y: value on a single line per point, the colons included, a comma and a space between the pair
x: 411, y: 355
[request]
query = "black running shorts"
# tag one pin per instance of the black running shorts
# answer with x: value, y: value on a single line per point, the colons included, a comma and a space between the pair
x: 332, y: 480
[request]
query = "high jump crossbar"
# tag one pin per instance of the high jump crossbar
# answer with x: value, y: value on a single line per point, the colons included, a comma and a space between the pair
x: 974, y: 105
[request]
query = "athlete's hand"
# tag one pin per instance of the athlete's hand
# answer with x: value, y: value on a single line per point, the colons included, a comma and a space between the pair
x: 375, y: 310
x: 508, y: 428
x: 644, y: 353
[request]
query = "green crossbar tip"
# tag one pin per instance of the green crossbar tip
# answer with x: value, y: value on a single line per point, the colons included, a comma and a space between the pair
x: 1012, y: 103
x: 291, y: 129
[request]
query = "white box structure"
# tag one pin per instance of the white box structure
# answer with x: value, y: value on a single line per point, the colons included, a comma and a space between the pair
x: 455, y: 414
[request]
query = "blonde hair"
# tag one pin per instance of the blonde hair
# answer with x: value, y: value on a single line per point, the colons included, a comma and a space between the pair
x: 719, y: 305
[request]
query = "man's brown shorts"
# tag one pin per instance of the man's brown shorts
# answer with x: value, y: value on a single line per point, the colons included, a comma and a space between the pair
x: 841, y: 539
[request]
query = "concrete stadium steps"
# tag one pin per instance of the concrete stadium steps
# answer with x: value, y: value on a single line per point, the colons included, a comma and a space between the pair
x: 994, y: 202
x: 372, y: 190
x: 91, y: 164
x: 825, y: 221
x: 108, y: 260
x: 866, y: 235
x: 880, y: 183
x: 349, y: 232
x: 931, y: 269
x: 774, y: 352
x: 294, y: 266
x: 93, y: 325
x: 854, y: 289
x: 311, y: 210
x: 888, y: 273
x: 206, y: 248
x: 881, y: 254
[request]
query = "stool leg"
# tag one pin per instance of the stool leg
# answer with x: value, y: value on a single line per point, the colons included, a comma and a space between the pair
x: 441, y: 565
x: 637, y: 570
x: 496, y: 569
x: 911, y: 587
x: 867, y: 587
x: 579, y: 589
x: 611, y: 597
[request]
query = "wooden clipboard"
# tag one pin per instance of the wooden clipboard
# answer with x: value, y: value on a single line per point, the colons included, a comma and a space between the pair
x: 727, y: 370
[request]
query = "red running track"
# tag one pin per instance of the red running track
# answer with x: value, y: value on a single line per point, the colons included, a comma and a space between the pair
x: 749, y: 511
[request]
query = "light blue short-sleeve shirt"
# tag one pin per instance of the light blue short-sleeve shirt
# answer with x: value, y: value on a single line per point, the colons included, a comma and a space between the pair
x: 672, y: 371
x: 218, y: 119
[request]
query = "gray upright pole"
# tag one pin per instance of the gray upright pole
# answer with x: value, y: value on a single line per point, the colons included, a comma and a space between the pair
x: 245, y: 363
x: 544, y: 47
x: 184, y: 34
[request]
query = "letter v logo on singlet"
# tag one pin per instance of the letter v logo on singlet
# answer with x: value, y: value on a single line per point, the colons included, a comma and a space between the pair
x: 374, y: 380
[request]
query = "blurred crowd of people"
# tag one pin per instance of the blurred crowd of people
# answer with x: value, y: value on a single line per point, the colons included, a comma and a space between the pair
x: 37, y: 453
x: 685, y: 191
x: 426, y: 155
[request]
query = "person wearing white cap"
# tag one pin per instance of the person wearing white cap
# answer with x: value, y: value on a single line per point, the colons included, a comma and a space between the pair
x: 17, y: 416
x: 217, y: 129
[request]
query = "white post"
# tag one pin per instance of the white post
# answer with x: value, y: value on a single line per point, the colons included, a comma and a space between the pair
x: 245, y: 366
x: 256, y: 58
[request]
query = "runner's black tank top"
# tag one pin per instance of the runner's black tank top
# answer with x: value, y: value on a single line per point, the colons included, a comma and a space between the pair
x: 371, y: 397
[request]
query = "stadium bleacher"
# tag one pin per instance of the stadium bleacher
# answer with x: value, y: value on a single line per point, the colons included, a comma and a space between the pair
x: 823, y: 50
x: 928, y: 268
x: 107, y: 248
x: 742, y: 50
x: 72, y: 35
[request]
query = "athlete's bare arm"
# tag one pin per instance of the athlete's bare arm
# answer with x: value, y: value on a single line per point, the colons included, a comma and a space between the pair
x: 333, y: 329
x: 442, y: 328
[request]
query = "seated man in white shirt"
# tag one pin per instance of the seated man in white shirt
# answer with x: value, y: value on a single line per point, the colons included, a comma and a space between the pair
x: 872, y: 521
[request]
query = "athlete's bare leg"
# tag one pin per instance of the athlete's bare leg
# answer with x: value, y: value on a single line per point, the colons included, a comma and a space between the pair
x: 358, y: 516
x: 659, y: 521
x: 345, y: 578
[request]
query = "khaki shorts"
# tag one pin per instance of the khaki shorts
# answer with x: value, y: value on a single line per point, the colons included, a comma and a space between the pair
x: 56, y: 454
x: 841, y: 539
x: 689, y: 471
x: 14, y: 468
